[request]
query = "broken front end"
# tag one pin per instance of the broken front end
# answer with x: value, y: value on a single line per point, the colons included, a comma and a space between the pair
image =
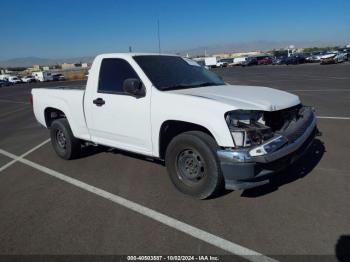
x: 265, y: 142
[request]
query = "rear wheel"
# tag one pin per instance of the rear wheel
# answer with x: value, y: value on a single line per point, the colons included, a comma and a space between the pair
x: 64, y: 143
x: 193, y: 166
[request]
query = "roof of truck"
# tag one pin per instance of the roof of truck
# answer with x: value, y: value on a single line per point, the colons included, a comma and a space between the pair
x: 133, y: 54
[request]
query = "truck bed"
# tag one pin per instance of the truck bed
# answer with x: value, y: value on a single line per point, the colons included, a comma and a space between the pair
x: 69, y: 100
x: 82, y: 87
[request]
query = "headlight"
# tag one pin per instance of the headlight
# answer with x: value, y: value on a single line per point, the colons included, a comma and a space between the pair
x: 247, y: 127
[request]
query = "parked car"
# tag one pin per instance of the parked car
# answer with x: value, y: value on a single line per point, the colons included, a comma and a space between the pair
x: 28, y: 79
x: 281, y: 60
x: 314, y: 57
x: 295, y: 59
x: 2, y: 83
x: 265, y: 60
x: 5, y: 83
x: 250, y: 61
x: 210, y: 134
x: 58, y: 77
x: 334, y: 58
x: 14, y: 79
x: 341, y: 57
x: 347, y: 51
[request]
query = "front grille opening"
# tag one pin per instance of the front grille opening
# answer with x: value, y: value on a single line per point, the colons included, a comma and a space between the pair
x: 281, y: 119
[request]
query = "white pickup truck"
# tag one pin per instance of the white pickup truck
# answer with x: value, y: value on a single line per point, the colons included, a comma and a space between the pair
x: 211, y: 135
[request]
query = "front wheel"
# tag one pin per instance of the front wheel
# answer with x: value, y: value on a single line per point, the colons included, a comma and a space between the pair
x: 193, y: 166
x: 63, y: 141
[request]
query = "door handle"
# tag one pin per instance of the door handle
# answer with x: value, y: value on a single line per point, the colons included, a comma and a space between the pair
x: 99, y: 101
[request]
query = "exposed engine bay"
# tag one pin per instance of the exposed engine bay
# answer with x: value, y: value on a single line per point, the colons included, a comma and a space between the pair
x: 252, y: 128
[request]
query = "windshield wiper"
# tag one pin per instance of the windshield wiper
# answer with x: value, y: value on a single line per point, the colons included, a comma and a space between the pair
x: 208, y: 84
x: 182, y: 86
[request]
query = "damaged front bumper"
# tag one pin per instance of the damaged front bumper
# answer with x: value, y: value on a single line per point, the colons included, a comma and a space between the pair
x: 247, y: 168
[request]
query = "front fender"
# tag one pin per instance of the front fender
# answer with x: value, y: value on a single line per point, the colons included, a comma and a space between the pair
x: 199, y: 111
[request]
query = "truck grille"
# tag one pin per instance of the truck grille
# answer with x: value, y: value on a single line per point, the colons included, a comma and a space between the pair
x: 298, y: 128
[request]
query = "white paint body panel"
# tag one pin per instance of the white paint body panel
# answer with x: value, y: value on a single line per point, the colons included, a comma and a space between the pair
x: 210, y: 61
x: 245, y: 97
x: 124, y: 121
x: 134, y: 124
x: 70, y: 102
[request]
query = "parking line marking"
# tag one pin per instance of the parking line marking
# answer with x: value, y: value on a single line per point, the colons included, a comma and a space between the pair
x: 317, y: 90
x: 200, y: 234
x: 13, y: 111
x: 338, y: 77
x: 18, y: 158
x: 334, y: 117
x: 15, y: 102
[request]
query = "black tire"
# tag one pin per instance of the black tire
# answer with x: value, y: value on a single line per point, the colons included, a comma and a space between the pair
x: 64, y: 143
x: 197, y: 174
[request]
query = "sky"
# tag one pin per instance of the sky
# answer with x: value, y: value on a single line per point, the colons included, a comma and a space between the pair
x: 74, y: 28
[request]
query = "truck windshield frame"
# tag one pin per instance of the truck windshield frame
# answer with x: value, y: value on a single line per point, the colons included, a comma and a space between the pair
x: 174, y: 72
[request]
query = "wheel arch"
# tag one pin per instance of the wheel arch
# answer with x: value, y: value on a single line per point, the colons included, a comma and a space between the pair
x: 51, y: 114
x: 171, y: 128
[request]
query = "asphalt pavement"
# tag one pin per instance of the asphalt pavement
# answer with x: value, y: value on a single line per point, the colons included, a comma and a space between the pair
x: 110, y: 202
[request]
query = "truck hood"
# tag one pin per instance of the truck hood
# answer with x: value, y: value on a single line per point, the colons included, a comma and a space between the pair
x: 244, y: 97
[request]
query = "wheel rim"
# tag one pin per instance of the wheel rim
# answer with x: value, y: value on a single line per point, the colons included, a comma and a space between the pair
x: 191, y: 167
x: 61, y: 139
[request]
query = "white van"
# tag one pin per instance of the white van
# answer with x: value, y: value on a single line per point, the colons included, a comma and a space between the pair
x: 210, y: 61
x: 4, y: 77
x: 42, y: 76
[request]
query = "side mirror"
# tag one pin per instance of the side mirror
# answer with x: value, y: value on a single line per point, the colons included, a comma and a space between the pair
x: 134, y: 87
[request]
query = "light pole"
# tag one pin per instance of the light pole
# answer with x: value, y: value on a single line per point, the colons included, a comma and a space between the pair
x: 159, y: 50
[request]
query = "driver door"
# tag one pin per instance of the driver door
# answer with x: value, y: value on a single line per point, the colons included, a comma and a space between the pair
x: 116, y: 118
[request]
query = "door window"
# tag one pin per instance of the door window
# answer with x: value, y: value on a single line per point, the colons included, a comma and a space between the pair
x: 113, y: 72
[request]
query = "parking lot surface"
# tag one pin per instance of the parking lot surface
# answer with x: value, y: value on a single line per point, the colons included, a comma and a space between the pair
x: 304, y: 211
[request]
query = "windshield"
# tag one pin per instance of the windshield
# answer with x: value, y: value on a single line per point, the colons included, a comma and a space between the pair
x: 173, y: 72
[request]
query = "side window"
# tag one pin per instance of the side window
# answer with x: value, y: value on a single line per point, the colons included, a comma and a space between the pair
x: 113, y: 72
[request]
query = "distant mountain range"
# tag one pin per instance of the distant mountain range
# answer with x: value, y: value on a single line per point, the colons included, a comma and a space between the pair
x: 30, y: 61
x: 255, y: 45
x: 210, y: 49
